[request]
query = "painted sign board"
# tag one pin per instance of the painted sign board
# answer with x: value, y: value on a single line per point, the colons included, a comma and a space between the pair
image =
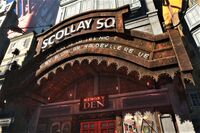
x: 93, y: 22
x: 88, y: 25
x: 93, y: 103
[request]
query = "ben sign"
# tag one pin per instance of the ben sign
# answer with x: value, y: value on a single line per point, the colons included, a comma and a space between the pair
x: 94, y: 103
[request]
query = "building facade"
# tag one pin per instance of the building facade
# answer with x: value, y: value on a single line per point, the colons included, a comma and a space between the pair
x: 20, y: 51
x: 35, y: 15
x: 144, y: 16
x: 105, y: 67
x: 8, y: 20
x: 191, y: 28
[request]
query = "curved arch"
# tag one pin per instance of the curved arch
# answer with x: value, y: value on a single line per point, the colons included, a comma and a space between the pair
x: 119, y: 65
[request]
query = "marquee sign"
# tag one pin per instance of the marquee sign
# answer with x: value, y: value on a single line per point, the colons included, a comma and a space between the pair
x: 93, y: 103
x: 98, y: 21
x: 82, y: 26
x: 102, y: 33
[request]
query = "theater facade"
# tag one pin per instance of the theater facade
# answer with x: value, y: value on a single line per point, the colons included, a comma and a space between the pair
x: 91, y: 75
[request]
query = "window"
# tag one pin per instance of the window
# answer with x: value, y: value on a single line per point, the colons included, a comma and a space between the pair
x: 26, y: 42
x: 55, y: 127
x: 124, y: 2
x: 2, y: 19
x: 66, y: 127
x: 107, y: 126
x: 62, y: 2
x: 194, y: 98
x: 106, y: 4
x: 72, y: 9
x: 192, y: 16
x: 196, y: 36
x: 61, y: 14
x: 134, y: 4
x: 1, y: 86
x: 167, y: 123
x: 87, y: 5
x: 12, y: 47
x: 192, y: 2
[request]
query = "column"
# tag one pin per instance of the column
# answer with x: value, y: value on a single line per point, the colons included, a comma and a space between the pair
x: 153, y: 17
x: 119, y: 124
x: 180, y: 107
x: 184, y: 126
x: 28, y: 3
x: 17, y: 7
x: 23, y: 7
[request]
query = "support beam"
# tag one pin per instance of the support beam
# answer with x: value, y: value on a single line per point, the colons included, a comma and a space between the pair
x: 37, y: 97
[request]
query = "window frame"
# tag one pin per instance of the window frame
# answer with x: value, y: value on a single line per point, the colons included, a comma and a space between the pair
x: 63, y: 8
x: 188, y: 18
x: 192, y: 99
x: 71, y: 4
x: 196, y: 36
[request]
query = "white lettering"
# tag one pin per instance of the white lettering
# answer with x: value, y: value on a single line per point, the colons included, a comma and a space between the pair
x: 110, y: 23
x: 100, y: 24
x: 72, y: 29
x: 119, y: 47
x: 67, y: 33
x: 146, y: 56
x: 81, y: 26
x: 59, y: 34
x: 143, y: 55
x: 44, y: 44
x: 88, y: 23
x: 51, y: 40
x: 104, y: 38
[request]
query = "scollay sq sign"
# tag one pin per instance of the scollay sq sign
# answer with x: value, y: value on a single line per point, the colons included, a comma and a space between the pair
x: 91, y: 24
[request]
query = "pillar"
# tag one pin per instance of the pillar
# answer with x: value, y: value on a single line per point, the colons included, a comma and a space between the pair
x: 119, y: 124
x: 28, y: 3
x: 23, y: 7
x: 184, y: 126
x: 17, y: 7
x: 153, y: 17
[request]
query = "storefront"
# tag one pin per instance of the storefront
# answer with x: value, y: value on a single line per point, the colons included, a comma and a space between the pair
x: 90, y: 75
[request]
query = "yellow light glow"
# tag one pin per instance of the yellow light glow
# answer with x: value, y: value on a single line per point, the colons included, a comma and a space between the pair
x: 169, y: 10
